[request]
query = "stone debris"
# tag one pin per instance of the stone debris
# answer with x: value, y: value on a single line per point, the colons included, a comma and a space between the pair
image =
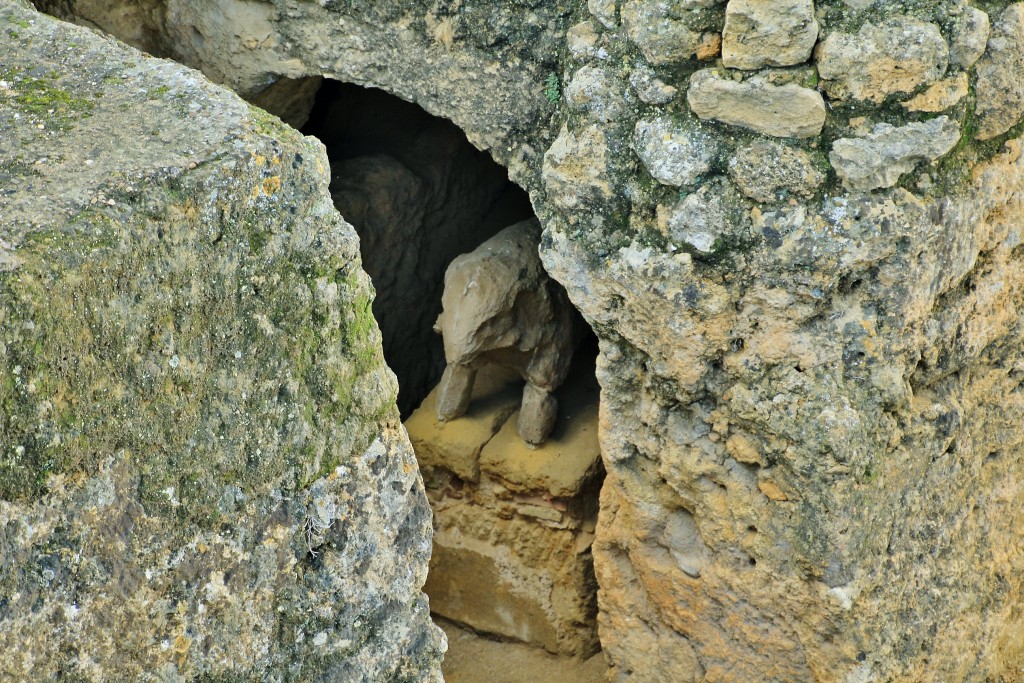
x: 761, y: 33
x: 501, y: 307
x: 940, y: 96
x: 880, y: 158
x: 575, y: 168
x: 582, y: 40
x: 769, y: 171
x: 895, y: 56
x: 1000, y: 88
x: 710, y: 47
x: 671, y: 153
x: 778, y: 110
x: 707, y: 219
x: 603, y: 11
x: 970, y: 38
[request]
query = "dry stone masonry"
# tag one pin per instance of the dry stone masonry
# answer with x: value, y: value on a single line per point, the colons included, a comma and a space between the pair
x: 804, y: 271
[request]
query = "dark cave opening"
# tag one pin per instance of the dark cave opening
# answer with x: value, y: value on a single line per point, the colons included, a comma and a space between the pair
x: 419, y: 195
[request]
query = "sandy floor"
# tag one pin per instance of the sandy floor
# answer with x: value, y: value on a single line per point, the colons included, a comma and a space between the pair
x: 473, y: 659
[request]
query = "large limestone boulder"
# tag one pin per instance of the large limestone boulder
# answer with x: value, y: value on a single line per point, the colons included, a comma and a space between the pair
x: 202, y: 473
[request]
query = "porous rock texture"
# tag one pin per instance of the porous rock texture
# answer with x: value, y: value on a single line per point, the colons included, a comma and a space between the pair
x: 811, y: 424
x: 202, y: 472
x: 514, y: 524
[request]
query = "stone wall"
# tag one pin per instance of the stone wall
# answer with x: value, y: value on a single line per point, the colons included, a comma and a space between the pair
x: 202, y: 472
x: 795, y: 228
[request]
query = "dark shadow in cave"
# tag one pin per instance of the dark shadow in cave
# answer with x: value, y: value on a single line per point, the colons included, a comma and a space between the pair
x: 419, y: 194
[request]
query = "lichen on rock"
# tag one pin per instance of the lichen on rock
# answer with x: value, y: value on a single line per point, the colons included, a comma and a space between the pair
x: 881, y: 157
x: 202, y: 474
x: 807, y: 296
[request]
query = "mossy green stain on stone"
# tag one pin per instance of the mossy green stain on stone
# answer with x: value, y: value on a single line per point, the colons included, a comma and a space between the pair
x: 151, y: 369
x: 40, y: 99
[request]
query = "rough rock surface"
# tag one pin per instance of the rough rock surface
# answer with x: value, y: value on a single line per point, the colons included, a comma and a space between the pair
x: 594, y: 91
x: 651, y: 89
x: 940, y: 96
x: 704, y: 220
x: 202, y: 473
x: 514, y: 524
x: 971, y: 38
x: 787, y: 111
x: 881, y: 157
x: 668, y: 32
x: 761, y: 33
x: 895, y: 56
x: 768, y: 171
x: 813, y: 434
x: 1000, y: 90
x: 671, y: 153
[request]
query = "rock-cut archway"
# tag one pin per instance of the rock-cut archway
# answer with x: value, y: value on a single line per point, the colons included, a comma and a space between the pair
x: 513, y: 522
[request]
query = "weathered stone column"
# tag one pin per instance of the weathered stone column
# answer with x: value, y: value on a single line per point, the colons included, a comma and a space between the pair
x: 202, y: 472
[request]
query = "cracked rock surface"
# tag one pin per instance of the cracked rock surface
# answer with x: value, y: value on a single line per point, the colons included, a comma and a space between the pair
x: 810, y: 400
x: 202, y: 471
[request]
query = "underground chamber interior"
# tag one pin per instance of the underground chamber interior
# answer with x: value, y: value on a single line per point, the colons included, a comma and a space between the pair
x: 514, y: 519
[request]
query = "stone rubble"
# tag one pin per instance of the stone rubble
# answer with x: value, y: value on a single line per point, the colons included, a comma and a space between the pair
x: 594, y: 91
x: 761, y: 33
x: 880, y: 158
x: 786, y: 111
x: 971, y: 38
x: 892, y: 57
x: 649, y: 88
x: 999, y: 88
x: 940, y: 96
x: 500, y: 307
x: 672, y: 154
x: 705, y: 221
x: 769, y: 171
x: 661, y: 37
